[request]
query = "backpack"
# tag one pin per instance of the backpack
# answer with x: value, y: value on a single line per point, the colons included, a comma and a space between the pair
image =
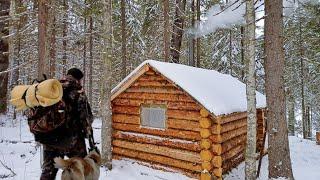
x: 47, y: 123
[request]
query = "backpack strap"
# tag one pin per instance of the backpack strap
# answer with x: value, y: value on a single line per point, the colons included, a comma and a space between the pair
x: 24, y: 97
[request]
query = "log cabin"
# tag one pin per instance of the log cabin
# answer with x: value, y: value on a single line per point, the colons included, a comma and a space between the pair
x: 184, y: 118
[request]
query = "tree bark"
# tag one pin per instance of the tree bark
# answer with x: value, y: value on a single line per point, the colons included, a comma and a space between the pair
x: 91, y: 58
x: 250, y: 157
x: 191, y: 42
x: 198, y: 39
x: 106, y: 129
x: 4, y: 59
x: 166, y: 31
x: 242, y: 52
x: 52, y: 35
x: 291, y: 115
x: 303, y: 107
x: 64, y: 34
x: 177, y: 30
x: 42, y: 28
x: 123, y: 39
x: 278, y: 145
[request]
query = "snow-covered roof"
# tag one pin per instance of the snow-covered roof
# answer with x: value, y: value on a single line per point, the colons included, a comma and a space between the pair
x: 218, y: 93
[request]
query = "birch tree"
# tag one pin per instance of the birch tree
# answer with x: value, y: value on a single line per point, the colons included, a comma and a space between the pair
x: 106, y: 129
x: 249, y: 56
x: 278, y: 145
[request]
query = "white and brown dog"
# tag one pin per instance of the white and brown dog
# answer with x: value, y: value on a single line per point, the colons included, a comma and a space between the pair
x: 87, y: 168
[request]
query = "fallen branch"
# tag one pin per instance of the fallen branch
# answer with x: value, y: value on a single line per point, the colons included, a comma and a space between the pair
x: 8, y: 168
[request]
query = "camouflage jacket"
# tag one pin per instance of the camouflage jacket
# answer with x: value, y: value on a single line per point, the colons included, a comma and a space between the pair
x: 78, y: 116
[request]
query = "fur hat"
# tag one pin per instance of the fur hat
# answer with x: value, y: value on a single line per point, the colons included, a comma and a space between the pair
x: 76, y: 73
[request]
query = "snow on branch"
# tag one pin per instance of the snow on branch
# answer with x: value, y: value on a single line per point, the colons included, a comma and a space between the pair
x: 8, y: 168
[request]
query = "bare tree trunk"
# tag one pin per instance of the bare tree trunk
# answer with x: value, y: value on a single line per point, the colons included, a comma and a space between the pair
x: 85, y: 51
x: 250, y: 158
x: 64, y: 34
x: 106, y: 129
x: 123, y: 39
x: 166, y: 31
x: 177, y: 30
x: 52, y: 35
x: 291, y: 116
x: 4, y: 60
x: 91, y: 59
x: 278, y: 145
x: 303, y: 108
x: 198, y: 39
x: 230, y: 52
x: 191, y: 41
x: 42, y: 26
x: 242, y: 52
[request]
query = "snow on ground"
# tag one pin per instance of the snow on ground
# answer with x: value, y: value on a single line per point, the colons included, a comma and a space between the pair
x: 22, y: 155
x: 305, y: 158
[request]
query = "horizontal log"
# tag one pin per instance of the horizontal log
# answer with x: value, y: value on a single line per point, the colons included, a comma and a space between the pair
x: 205, y: 122
x: 226, y: 146
x: 151, y: 72
x: 163, y: 90
x: 233, y: 163
x: 232, y: 152
x: 232, y: 117
x: 205, y: 133
x: 159, y: 150
x: 216, y: 149
x: 126, y: 110
x: 206, y: 165
x: 182, y: 114
x: 205, y: 144
x: 170, y: 123
x: 216, y: 161
x: 204, y: 112
x: 157, y: 158
x: 233, y: 125
x: 217, y: 172
x: 159, y: 83
x: 125, y: 118
x: 217, y: 138
x: 153, y: 96
x: 170, y: 104
x: 183, y: 124
x: 146, y: 77
x: 206, y: 155
x: 155, y: 165
x: 205, y: 176
x: 155, y: 140
x: 189, y: 135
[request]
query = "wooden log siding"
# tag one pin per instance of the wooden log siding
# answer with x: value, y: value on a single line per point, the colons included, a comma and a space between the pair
x: 159, y: 150
x: 194, y: 140
x: 170, y: 105
x: 157, y: 159
x: 155, y: 140
x: 187, y: 135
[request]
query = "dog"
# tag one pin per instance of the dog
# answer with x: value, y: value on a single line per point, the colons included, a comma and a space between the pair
x: 87, y: 168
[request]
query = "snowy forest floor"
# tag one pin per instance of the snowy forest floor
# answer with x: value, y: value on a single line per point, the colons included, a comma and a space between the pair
x: 21, y: 154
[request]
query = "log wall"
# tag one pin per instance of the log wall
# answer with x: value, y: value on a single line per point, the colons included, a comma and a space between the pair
x: 229, y: 137
x: 178, y: 145
x: 194, y: 141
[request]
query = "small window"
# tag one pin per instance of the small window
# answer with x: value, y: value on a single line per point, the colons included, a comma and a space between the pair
x: 153, y: 116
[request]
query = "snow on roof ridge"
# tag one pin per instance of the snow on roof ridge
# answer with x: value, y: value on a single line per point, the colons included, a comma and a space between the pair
x: 217, y: 92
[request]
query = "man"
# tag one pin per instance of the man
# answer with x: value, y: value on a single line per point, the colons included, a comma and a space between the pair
x: 68, y: 140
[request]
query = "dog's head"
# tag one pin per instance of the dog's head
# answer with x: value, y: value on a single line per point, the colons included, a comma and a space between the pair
x: 94, y: 154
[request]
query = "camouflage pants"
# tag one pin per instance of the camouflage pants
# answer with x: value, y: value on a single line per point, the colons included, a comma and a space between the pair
x: 49, y: 172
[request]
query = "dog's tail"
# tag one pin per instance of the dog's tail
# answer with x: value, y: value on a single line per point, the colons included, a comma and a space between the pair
x: 62, y: 163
